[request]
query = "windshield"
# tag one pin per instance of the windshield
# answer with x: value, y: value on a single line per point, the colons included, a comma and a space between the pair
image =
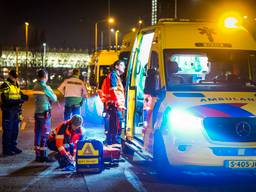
x: 225, y: 70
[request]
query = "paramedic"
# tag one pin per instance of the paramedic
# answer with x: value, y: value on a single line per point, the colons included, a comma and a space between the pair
x: 74, y: 93
x: 116, y: 103
x: 44, y: 96
x: 63, y: 140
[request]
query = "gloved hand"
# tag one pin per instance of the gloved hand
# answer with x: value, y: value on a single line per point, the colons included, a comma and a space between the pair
x: 69, y: 168
x: 71, y: 160
x: 64, y: 161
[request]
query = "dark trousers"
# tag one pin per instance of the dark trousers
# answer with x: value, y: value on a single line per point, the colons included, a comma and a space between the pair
x: 106, y: 119
x: 71, y: 110
x: 10, y: 124
x: 63, y: 160
x: 42, y: 128
x: 115, y: 126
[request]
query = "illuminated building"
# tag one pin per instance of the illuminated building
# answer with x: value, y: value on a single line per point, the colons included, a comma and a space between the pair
x: 154, y: 12
x: 161, y: 9
x: 54, y: 58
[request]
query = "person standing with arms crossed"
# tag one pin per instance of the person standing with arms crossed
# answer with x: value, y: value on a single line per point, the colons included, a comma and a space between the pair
x: 44, y: 96
x: 74, y: 93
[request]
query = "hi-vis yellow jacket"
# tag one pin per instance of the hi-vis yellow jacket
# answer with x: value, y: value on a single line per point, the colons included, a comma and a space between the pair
x: 11, y: 96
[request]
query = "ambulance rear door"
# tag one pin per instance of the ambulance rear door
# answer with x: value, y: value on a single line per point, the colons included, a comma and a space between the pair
x: 136, y: 81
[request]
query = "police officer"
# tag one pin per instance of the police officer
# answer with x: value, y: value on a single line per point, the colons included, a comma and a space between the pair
x: 44, y: 96
x: 11, y: 103
x: 116, y: 103
x: 74, y: 93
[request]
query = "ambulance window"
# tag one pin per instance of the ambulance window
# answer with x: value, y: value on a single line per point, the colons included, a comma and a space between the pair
x: 154, y: 60
x: 125, y: 56
x: 142, y: 62
x: 252, y: 66
x: 154, y: 64
x: 140, y: 76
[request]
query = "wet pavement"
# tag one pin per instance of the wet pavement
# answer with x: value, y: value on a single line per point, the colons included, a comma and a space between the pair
x: 22, y: 173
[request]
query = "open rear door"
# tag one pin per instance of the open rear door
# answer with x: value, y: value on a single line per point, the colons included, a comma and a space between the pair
x: 135, y: 86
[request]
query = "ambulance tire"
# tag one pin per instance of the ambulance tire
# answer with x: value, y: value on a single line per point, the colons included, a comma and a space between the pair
x: 160, y: 160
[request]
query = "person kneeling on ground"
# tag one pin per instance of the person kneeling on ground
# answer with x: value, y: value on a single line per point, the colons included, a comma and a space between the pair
x: 63, y: 139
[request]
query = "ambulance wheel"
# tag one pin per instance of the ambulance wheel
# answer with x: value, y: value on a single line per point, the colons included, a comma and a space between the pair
x: 160, y: 160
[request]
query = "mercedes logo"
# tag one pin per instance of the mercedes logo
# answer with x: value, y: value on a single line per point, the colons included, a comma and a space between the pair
x: 243, y: 129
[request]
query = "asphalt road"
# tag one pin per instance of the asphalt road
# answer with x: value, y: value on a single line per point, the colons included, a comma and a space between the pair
x: 22, y: 173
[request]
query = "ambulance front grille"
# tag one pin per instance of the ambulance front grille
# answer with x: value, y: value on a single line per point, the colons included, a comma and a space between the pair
x: 228, y: 129
x: 230, y: 151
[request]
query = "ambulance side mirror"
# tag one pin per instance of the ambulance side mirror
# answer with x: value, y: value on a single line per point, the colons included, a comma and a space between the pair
x: 152, y: 82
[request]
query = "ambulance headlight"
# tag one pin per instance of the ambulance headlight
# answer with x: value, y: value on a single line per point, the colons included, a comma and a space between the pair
x: 184, y: 122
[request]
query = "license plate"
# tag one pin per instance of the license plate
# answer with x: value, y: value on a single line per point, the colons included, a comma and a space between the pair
x: 87, y: 161
x: 240, y: 164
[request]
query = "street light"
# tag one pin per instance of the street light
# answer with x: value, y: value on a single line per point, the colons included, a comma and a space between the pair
x: 140, y: 22
x: 110, y: 20
x: 26, y: 35
x: 44, y: 53
x: 116, y: 38
x: 175, y: 9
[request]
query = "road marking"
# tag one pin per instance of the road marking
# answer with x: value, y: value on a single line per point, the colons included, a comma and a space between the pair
x: 134, y: 180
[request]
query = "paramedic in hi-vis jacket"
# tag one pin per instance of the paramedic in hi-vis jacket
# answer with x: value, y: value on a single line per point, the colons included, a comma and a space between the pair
x: 116, y: 103
x: 63, y: 139
x: 44, y: 96
x: 74, y: 93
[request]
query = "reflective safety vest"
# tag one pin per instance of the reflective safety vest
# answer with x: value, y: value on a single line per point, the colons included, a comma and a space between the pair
x: 112, y: 90
x: 73, y: 87
x: 63, y: 135
x: 12, y: 92
x: 104, y: 93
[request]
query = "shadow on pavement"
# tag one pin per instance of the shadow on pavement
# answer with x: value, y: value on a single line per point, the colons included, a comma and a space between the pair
x: 30, y: 169
x: 145, y: 171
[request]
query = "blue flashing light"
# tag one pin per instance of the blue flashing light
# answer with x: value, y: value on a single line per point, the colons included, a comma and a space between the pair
x: 92, y: 110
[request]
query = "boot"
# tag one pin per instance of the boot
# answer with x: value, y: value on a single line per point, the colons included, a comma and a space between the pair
x: 7, y: 152
x: 44, y: 157
x: 16, y: 150
x: 38, y: 159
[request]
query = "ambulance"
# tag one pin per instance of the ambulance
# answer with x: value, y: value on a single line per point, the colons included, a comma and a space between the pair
x: 98, y: 68
x: 190, y: 95
x: 102, y: 61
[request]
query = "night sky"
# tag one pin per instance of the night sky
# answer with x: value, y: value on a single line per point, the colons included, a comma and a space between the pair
x: 70, y: 23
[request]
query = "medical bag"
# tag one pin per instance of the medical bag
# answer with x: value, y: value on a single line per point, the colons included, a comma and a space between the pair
x: 89, y: 156
x: 111, y: 153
